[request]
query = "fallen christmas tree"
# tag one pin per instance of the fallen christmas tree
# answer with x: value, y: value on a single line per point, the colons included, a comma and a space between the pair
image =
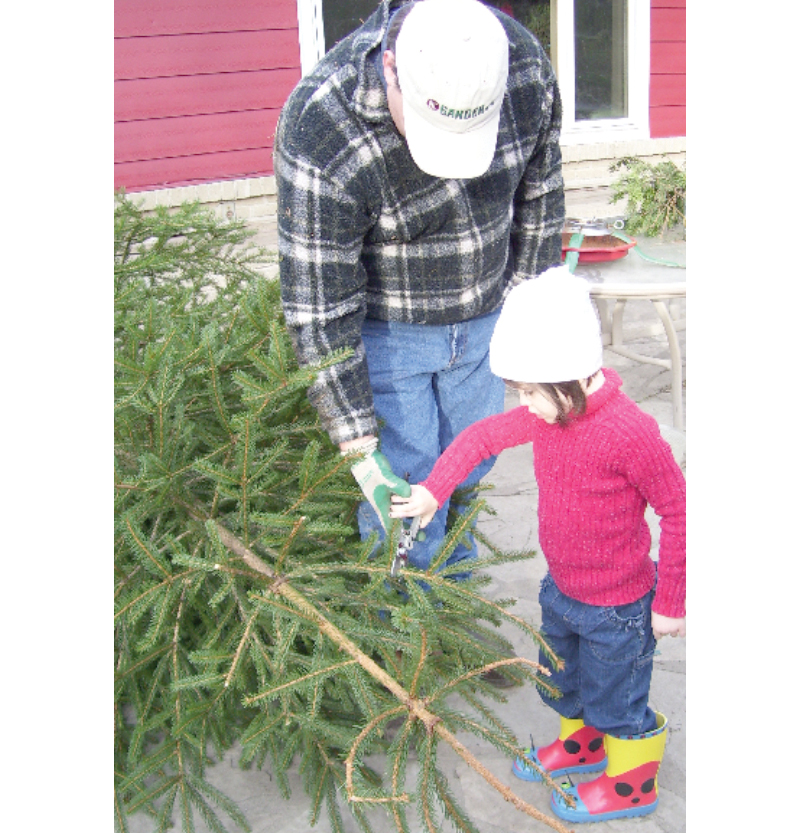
x: 248, y: 610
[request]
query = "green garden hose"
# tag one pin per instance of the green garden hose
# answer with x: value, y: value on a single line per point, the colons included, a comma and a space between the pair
x: 620, y: 236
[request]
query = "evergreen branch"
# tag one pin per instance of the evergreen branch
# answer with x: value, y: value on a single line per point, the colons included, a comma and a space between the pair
x: 143, y: 548
x: 147, y: 797
x: 319, y: 794
x: 483, y: 669
x: 243, y: 502
x: 208, y: 680
x: 298, y: 682
x: 398, y: 773
x: 136, y: 666
x: 431, y: 722
x: 457, y: 531
x: 427, y: 770
x: 145, y: 722
x: 185, y: 805
x: 319, y: 483
x: 217, y: 396
x: 120, y: 816
x: 165, y: 817
x: 296, y: 526
x: 421, y: 663
x: 142, y: 598
x: 201, y: 788
x: 175, y: 674
x: 146, y: 767
x: 451, y: 807
x: 242, y: 642
x: 349, y: 762
x: 262, y: 725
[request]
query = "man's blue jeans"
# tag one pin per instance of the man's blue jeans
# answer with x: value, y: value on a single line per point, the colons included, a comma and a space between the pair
x: 608, y: 661
x: 428, y: 384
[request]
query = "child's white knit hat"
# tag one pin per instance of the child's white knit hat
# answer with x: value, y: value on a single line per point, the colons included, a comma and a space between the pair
x: 548, y: 331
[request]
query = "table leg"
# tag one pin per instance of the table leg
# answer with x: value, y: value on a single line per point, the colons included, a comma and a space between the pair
x: 675, y: 362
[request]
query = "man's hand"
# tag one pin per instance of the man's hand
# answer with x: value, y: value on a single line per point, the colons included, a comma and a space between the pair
x: 667, y: 626
x: 376, y: 478
x: 421, y: 503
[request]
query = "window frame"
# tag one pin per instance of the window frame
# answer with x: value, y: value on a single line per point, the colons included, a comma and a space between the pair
x: 636, y: 125
x: 311, y: 34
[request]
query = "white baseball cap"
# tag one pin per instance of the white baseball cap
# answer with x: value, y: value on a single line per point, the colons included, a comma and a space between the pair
x: 452, y: 66
x: 548, y: 331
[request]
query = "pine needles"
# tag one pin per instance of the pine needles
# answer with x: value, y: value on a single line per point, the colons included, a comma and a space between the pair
x: 248, y: 611
x: 655, y: 195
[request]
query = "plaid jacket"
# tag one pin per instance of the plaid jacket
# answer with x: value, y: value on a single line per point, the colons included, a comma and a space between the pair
x: 364, y: 232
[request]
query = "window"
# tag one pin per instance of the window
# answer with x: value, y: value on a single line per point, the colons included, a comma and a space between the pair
x: 600, y: 60
x: 601, y: 55
x: 325, y: 22
x: 600, y: 50
x: 340, y: 17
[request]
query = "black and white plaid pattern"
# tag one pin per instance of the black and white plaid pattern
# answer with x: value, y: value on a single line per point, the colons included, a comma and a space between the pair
x: 364, y: 232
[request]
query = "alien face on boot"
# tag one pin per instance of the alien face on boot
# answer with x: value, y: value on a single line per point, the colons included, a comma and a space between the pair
x: 578, y: 749
x: 583, y: 745
x: 630, y: 790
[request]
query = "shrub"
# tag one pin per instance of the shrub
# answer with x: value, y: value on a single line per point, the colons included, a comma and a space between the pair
x: 655, y: 194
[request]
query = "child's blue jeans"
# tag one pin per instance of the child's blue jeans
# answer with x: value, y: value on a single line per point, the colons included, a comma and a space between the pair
x: 608, y: 661
x: 428, y: 384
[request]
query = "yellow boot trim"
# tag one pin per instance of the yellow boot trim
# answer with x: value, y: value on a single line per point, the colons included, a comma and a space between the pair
x: 625, y: 754
x: 570, y: 725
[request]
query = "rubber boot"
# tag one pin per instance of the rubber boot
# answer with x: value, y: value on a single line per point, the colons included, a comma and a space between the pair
x: 578, y: 748
x: 628, y: 787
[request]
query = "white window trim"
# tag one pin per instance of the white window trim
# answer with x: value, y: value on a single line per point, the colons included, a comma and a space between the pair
x: 311, y: 33
x: 637, y: 124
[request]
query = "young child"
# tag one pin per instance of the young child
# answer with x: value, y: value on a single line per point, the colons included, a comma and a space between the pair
x: 599, y: 461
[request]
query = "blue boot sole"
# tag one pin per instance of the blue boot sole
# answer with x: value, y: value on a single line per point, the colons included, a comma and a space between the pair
x: 580, y: 814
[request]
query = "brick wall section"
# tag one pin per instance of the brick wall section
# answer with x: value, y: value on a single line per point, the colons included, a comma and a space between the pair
x: 198, y: 87
x: 667, y: 68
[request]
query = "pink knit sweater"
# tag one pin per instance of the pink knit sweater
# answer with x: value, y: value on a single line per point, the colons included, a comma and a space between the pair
x: 595, y: 477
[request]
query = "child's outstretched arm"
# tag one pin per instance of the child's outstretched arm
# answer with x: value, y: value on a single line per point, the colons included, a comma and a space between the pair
x: 421, y: 503
x: 483, y: 439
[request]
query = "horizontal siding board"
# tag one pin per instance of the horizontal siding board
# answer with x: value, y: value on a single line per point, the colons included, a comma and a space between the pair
x: 667, y: 121
x: 190, y: 170
x: 192, y: 135
x: 667, y: 4
x: 668, y: 59
x: 193, y: 95
x: 159, y: 57
x: 668, y: 25
x: 181, y: 17
x: 667, y: 90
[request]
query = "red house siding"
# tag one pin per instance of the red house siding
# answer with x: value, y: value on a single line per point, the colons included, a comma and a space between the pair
x: 198, y: 86
x: 667, y: 68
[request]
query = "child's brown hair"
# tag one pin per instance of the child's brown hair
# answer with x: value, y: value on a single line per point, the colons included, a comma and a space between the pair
x: 572, y: 391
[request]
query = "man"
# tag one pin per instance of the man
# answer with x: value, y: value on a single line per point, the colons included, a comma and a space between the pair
x: 419, y: 179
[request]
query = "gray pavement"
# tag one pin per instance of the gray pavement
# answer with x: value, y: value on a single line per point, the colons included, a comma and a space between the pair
x: 514, y: 528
